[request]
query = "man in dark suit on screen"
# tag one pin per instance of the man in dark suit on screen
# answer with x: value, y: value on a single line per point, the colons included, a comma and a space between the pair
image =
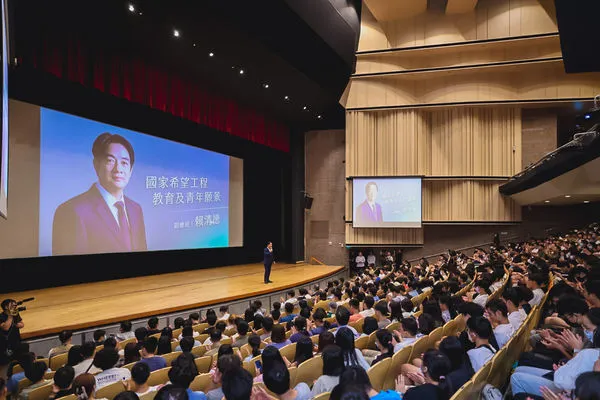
x: 368, y: 213
x: 102, y: 219
x: 268, y: 261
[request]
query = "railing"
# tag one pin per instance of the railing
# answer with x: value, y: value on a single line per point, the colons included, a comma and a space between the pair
x: 507, y: 239
x: 316, y: 261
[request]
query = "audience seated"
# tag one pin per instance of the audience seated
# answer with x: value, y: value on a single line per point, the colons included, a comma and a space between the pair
x: 107, y: 359
x: 138, y: 383
x: 63, y: 382
x: 149, y: 356
x: 65, y: 344
x: 36, y: 375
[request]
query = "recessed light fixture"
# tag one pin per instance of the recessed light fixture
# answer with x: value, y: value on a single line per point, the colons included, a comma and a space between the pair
x: 140, y: 13
x: 286, y: 98
x: 241, y: 72
x: 211, y: 54
x: 131, y: 7
x: 319, y: 116
x: 175, y: 33
x: 194, y: 44
x: 547, y: 201
x: 567, y: 196
x: 305, y: 108
x: 586, y: 201
x: 266, y: 85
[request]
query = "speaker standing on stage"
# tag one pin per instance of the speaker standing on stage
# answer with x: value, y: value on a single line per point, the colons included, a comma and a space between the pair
x: 268, y: 260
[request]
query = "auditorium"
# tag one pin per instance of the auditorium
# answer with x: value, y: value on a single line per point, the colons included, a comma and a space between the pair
x: 299, y: 200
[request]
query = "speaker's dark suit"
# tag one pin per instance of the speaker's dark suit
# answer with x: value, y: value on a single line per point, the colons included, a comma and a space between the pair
x: 85, y: 224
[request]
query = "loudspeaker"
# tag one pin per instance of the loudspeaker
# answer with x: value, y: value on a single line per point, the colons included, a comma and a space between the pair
x: 308, y: 202
x: 579, y: 39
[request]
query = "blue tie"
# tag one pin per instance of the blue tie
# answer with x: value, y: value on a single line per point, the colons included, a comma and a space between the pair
x: 123, y: 226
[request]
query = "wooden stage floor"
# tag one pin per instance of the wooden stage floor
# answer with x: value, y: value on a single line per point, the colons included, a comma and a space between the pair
x: 100, y: 303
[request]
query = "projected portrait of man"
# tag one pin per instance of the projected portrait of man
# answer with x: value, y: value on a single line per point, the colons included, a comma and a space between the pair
x: 369, y: 211
x: 102, y: 219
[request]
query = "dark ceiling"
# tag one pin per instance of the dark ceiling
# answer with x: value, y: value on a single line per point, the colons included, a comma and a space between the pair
x: 301, y: 49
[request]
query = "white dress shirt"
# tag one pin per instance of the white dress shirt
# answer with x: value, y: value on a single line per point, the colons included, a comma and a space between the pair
x: 360, y: 261
x: 538, y: 295
x: 516, y: 318
x: 503, y: 333
x: 110, y: 202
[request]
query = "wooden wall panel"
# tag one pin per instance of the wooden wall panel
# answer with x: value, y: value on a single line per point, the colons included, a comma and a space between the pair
x: 491, y: 19
x: 462, y: 142
x: 531, y: 82
x: 383, y: 236
x: 467, y: 201
x: 460, y: 55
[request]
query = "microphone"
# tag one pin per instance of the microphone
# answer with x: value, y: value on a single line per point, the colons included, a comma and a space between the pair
x: 25, y: 300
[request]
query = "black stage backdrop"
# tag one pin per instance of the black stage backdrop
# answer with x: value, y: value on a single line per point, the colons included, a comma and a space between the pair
x: 267, y: 191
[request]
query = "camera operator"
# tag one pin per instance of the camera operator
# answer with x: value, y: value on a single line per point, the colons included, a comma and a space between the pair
x: 10, y: 335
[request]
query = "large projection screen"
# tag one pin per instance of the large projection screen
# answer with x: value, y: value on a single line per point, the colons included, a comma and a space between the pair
x: 86, y: 187
x: 4, y: 117
x: 386, y: 202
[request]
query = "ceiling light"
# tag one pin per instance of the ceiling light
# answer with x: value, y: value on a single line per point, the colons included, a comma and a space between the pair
x: 586, y: 201
x: 305, y: 108
x: 567, y: 196
x: 286, y: 98
x: 266, y: 85
x: 140, y: 13
x: 547, y: 201
x: 211, y: 54
x: 319, y: 116
x: 131, y: 7
x: 194, y: 45
x: 175, y: 33
x: 241, y: 72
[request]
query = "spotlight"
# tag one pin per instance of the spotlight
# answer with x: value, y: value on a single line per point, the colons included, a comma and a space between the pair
x: 567, y: 196
x: 319, y: 116
x: 175, y: 33
x: 587, y: 116
x: 266, y: 85
x: 241, y: 72
x: 305, y: 108
x: 140, y: 13
x: 131, y: 7
x: 211, y: 54
x: 194, y: 45
x: 586, y: 201
x: 286, y: 98
x: 547, y: 201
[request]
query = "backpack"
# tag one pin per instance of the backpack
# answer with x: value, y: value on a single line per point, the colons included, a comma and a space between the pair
x: 489, y: 392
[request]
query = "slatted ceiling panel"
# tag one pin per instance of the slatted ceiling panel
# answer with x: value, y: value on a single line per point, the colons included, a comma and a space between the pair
x: 491, y: 19
x: 383, y: 236
x: 456, y: 56
x: 530, y: 82
x: 467, y: 200
x: 387, y: 10
x: 460, y: 6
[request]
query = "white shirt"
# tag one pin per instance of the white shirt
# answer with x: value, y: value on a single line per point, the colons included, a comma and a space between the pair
x: 481, y: 300
x: 83, y: 366
x: 496, y: 285
x: 369, y: 312
x: 125, y: 336
x: 370, y: 259
x: 360, y: 261
x: 110, y: 202
x: 225, y: 317
x: 538, y: 295
x: 565, y: 376
x: 479, y: 356
x: 356, y: 334
x: 516, y: 318
x: 112, y: 375
x: 503, y: 333
x: 405, y: 342
x: 445, y: 315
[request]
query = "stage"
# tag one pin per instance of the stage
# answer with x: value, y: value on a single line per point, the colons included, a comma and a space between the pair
x: 94, y: 304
